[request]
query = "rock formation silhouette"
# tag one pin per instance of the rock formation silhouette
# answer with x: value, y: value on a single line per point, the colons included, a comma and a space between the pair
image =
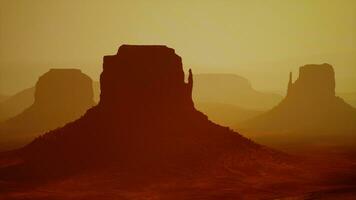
x: 310, y: 108
x: 146, y: 139
x: 61, y: 95
x: 145, y: 120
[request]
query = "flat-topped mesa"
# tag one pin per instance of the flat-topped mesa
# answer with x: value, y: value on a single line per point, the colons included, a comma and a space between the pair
x: 315, y: 82
x: 146, y: 76
x: 61, y: 96
x: 67, y: 87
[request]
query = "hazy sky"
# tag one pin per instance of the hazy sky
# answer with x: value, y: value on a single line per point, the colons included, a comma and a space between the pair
x: 261, y: 40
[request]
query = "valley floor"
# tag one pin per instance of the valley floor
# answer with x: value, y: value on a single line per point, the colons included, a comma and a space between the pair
x: 316, y: 176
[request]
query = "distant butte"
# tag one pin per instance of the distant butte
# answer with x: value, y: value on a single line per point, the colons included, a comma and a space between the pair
x: 315, y: 82
x: 61, y: 96
x: 310, y: 108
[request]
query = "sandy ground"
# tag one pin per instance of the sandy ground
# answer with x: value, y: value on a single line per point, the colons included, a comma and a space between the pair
x: 314, y: 176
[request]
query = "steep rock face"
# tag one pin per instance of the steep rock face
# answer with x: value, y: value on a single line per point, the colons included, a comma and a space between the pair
x: 315, y: 83
x: 309, y: 107
x: 145, y: 119
x: 153, y: 82
x: 61, y: 95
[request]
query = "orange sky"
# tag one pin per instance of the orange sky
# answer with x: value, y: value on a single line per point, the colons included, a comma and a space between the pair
x: 260, y: 40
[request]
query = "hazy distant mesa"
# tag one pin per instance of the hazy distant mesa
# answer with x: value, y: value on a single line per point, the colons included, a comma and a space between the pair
x: 310, y: 112
x: 60, y: 96
x: 227, y: 98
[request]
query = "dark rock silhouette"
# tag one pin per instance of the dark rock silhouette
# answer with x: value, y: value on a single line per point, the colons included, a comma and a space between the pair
x: 310, y: 108
x: 145, y: 139
x: 145, y: 119
x: 149, y: 77
x: 61, y: 95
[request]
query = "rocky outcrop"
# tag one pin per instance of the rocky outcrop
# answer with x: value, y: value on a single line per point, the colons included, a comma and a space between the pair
x: 310, y: 108
x: 145, y: 120
x: 315, y: 83
x: 61, y: 95
x: 145, y: 82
